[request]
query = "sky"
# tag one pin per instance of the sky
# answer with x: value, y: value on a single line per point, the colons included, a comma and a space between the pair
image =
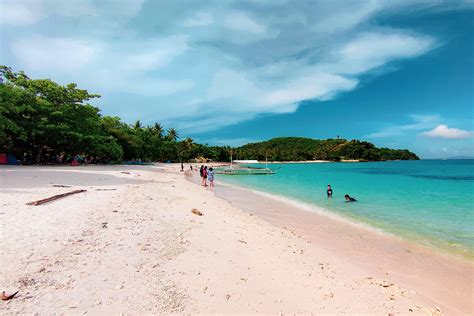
x: 399, y: 74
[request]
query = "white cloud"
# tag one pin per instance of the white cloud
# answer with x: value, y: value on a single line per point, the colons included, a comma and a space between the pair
x: 445, y: 132
x: 27, y: 12
x: 241, y: 21
x: 234, y: 87
x: 341, y: 20
x: 147, y: 55
x: 370, y: 50
x: 419, y: 122
x: 236, y: 60
x: 316, y: 86
x: 15, y: 13
x: 106, y: 68
x: 56, y: 54
x: 199, y: 19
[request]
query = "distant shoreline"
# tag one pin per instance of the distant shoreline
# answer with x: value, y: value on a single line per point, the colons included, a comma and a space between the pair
x: 309, y: 161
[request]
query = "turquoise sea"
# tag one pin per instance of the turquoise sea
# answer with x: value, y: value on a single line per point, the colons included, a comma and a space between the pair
x: 427, y: 201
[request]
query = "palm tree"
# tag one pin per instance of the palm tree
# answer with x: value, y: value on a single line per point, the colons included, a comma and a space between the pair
x: 137, y: 124
x: 172, y: 134
x: 185, y: 147
x: 158, y: 129
x: 188, y: 143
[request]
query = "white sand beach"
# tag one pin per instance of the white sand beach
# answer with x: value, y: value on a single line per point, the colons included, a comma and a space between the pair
x: 130, y: 244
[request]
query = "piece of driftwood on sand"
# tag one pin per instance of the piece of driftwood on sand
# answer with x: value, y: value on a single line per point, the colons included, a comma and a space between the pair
x: 196, y: 211
x: 6, y: 297
x: 54, y: 197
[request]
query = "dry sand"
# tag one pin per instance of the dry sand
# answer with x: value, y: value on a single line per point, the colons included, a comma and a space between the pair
x: 139, y: 249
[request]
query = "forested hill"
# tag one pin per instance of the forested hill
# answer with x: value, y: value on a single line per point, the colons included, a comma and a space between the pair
x: 44, y: 122
x: 299, y: 148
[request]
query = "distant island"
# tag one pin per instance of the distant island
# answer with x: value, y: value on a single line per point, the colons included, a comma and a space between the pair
x: 304, y: 149
x: 43, y: 122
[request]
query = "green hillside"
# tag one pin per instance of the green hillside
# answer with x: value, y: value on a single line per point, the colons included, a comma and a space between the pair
x: 299, y: 148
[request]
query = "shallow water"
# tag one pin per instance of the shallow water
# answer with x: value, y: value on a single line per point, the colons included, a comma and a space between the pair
x: 428, y: 201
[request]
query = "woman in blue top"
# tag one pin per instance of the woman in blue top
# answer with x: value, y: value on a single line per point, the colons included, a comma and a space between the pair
x: 210, y: 177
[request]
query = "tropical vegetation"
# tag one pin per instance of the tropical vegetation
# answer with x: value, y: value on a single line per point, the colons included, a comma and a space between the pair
x: 300, y: 149
x: 42, y: 121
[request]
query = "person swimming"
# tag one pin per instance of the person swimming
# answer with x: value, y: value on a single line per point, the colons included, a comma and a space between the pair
x: 329, y: 191
x: 349, y: 199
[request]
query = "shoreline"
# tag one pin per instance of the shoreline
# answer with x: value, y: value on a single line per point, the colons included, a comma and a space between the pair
x: 131, y: 244
x: 368, y: 241
x: 436, y: 247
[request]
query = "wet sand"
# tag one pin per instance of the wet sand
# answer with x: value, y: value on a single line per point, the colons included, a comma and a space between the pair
x: 442, y: 279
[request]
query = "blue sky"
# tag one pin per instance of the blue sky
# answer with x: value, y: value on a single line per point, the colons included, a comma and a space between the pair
x: 396, y: 73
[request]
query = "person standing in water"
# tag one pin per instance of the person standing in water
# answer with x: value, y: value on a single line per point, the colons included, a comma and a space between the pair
x: 349, y: 199
x: 329, y: 191
x: 210, y: 177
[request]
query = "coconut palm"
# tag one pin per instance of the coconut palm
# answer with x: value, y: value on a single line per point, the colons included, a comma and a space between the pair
x: 137, y: 125
x: 185, y: 148
x: 188, y: 143
x: 158, y: 129
x: 172, y: 134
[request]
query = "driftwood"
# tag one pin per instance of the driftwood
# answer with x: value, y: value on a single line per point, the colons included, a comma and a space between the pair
x: 105, y: 189
x: 196, y: 211
x: 6, y: 297
x: 61, y: 186
x: 54, y: 197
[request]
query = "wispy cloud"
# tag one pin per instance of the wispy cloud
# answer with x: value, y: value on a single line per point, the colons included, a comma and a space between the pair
x: 57, y: 54
x: 106, y: 67
x: 199, y: 19
x: 419, y: 122
x: 29, y: 12
x: 445, y: 132
x: 233, y: 60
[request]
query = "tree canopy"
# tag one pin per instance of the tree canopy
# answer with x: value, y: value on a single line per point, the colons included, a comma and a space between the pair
x: 300, y: 149
x: 42, y: 121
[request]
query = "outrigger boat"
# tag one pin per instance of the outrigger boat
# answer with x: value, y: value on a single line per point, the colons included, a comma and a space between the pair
x: 241, y: 167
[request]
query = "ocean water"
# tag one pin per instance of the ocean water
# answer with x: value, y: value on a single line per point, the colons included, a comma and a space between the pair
x: 426, y: 201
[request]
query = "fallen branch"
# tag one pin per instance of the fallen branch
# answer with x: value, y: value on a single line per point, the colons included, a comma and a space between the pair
x: 54, y: 197
x: 61, y: 186
x: 6, y: 297
x: 105, y: 189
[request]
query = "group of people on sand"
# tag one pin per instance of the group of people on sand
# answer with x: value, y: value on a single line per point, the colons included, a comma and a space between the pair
x: 206, y: 174
x: 346, y: 197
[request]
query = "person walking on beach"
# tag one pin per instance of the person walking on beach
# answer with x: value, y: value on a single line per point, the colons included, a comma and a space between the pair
x: 329, y: 191
x: 204, y: 176
x: 200, y: 174
x: 210, y: 176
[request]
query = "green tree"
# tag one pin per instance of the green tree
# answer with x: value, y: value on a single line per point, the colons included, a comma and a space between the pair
x: 172, y: 135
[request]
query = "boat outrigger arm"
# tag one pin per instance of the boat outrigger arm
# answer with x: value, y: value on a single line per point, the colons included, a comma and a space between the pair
x: 240, y: 167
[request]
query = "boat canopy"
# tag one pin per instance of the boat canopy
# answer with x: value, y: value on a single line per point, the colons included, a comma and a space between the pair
x: 245, y: 161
